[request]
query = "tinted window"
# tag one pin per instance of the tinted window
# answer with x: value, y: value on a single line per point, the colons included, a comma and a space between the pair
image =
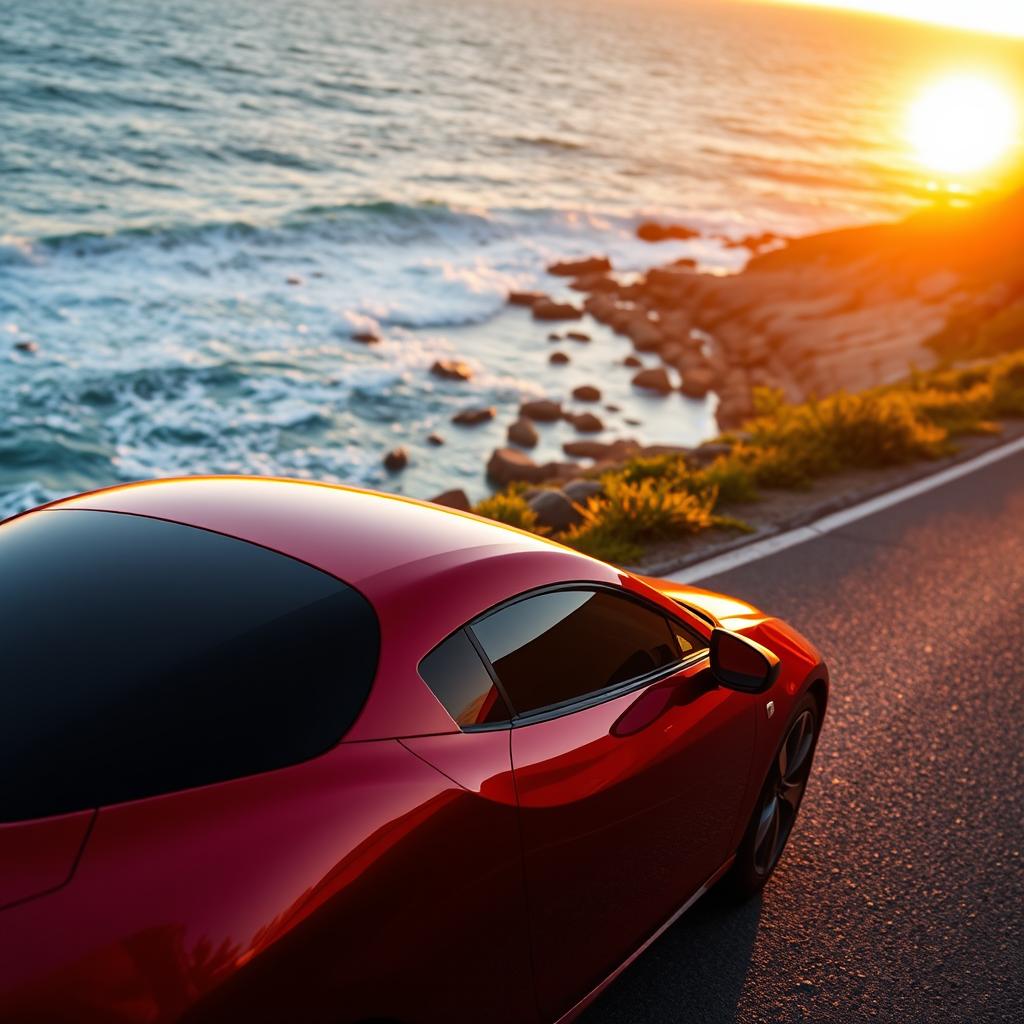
x: 460, y: 681
x: 563, y: 645
x: 139, y: 657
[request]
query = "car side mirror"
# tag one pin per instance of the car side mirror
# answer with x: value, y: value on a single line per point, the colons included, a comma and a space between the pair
x: 741, y: 663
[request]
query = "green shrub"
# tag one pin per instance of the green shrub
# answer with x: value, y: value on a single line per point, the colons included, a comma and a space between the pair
x: 628, y: 515
x: 510, y: 508
x: 731, y: 476
x: 796, y: 443
x: 1008, y: 387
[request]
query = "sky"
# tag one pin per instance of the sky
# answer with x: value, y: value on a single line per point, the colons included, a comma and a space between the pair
x: 1005, y: 17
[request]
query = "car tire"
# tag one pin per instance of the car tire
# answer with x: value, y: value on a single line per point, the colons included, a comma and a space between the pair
x: 778, y: 804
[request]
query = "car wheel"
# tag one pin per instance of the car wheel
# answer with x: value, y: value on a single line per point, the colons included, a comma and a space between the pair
x: 778, y: 803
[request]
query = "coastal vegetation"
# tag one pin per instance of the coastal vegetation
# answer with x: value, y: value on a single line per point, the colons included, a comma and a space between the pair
x: 647, y: 499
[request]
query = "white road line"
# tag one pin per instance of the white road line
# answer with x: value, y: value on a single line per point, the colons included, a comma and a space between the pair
x: 770, y: 545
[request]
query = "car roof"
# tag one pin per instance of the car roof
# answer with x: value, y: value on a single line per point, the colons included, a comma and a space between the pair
x: 427, y: 570
x: 357, y: 535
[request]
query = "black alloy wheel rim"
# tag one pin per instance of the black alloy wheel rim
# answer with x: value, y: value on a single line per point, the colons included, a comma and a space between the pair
x: 783, y: 792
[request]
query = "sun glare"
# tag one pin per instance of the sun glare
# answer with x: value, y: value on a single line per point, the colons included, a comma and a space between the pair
x: 1002, y: 17
x: 962, y: 124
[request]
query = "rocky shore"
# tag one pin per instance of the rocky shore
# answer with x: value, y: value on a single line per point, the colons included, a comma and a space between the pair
x: 842, y: 310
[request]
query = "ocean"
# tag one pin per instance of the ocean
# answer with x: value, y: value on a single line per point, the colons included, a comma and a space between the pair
x: 200, y: 201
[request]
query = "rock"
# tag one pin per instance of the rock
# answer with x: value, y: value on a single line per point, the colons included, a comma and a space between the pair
x: 26, y: 346
x: 706, y: 453
x: 732, y: 413
x: 543, y: 410
x: 622, y: 315
x: 577, y: 335
x: 507, y: 465
x: 685, y: 261
x: 753, y: 242
x: 586, y: 393
x: 673, y: 285
x: 293, y: 280
x: 735, y: 404
x: 605, y: 450
x: 651, y: 451
x: 581, y: 491
x: 365, y: 337
x: 586, y: 449
x: 585, y: 422
x: 752, y: 351
x: 613, y: 408
x: 581, y: 268
x: 554, y: 510
x: 656, y: 379
x: 548, y: 309
x: 698, y: 381
x: 633, y: 422
x: 673, y: 353
x: 523, y: 433
x: 451, y: 369
x: 396, y: 459
x: 554, y: 336
x: 558, y: 358
x: 676, y: 324
x: 632, y: 361
x: 594, y: 284
x: 601, y: 307
x: 651, y: 231
x: 644, y: 333
x: 435, y: 439
x: 524, y: 298
x: 457, y: 499
x: 473, y: 417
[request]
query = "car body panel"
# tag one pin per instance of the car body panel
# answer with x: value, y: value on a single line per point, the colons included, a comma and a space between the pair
x: 620, y: 828
x: 39, y: 856
x: 285, y: 896
x: 719, y: 607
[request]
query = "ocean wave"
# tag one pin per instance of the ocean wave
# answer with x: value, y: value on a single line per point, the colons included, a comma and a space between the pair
x: 345, y: 222
x: 376, y: 222
x: 549, y: 142
x: 411, y: 265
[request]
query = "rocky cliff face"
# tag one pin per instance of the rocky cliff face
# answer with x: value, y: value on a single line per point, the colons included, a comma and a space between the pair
x: 846, y: 309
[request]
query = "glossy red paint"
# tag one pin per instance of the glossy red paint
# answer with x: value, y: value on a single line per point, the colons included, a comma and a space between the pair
x: 618, y: 830
x: 415, y: 872
x: 39, y: 856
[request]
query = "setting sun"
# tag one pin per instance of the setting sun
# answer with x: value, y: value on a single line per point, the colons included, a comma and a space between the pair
x: 961, y: 124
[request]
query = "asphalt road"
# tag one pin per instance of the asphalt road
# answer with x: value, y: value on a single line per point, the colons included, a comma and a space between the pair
x: 901, y: 894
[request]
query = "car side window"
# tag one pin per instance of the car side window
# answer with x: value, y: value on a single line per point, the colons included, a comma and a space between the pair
x: 563, y: 645
x: 459, y: 679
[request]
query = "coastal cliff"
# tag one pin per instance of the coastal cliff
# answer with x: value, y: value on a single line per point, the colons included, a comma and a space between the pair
x: 841, y: 310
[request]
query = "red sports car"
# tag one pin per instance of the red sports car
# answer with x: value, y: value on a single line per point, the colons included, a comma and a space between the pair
x: 285, y: 752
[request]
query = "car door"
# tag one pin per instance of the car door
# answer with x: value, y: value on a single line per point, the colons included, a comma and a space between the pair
x: 629, y: 765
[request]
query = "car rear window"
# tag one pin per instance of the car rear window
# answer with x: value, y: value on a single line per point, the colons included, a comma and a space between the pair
x: 140, y: 657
